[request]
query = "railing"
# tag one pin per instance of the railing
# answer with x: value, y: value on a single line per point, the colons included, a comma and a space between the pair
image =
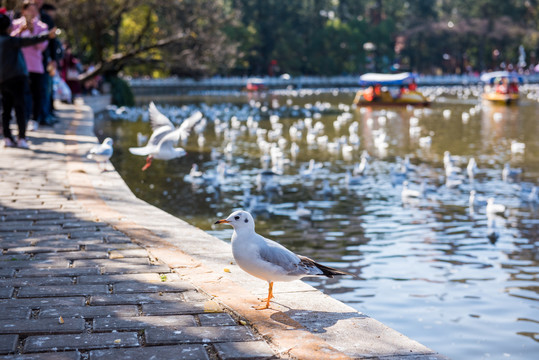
x: 174, y: 85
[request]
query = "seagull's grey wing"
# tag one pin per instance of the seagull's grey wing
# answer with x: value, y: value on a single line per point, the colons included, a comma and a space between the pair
x: 159, y: 134
x: 280, y: 256
x: 154, y: 140
x: 157, y: 119
x: 189, y: 123
x: 105, y: 151
x: 170, y: 139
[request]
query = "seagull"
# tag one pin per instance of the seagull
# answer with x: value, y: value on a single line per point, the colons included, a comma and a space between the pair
x: 302, y: 212
x: 268, y: 260
x: 101, y: 153
x: 408, y: 193
x: 141, y: 138
x: 361, y: 168
x: 161, y: 125
x: 517, y: 147
x: 471, y: 168
x: 494, y: 209
x: 165, y: 137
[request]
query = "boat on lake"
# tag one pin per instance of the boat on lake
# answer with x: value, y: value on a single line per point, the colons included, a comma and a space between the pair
x: 501, y: 87
x: 256, y: 84
x: 389, y: 89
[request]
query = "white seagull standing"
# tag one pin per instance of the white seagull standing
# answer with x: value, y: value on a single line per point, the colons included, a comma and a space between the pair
x: 268, y: 260
x: 165, y: 137
x: 101, y: 153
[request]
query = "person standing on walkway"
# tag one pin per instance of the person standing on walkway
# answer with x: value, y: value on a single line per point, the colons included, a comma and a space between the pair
x: 51, y: 60
x: 33, y: 55
x: 14, y: 78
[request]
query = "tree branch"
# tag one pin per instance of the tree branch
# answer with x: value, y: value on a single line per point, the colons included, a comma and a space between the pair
x: 119, y: 59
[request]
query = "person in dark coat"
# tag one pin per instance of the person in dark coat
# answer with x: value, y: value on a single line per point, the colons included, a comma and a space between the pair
x: 14, y: 78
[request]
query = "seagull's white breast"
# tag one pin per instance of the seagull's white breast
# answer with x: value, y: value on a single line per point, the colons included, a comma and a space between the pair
x: 246, y: 250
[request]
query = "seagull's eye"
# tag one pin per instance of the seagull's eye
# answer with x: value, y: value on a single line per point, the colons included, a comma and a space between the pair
x: 236, y: 217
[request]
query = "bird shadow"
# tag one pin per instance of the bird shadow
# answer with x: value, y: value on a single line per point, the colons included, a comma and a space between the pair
x: 314, y: 321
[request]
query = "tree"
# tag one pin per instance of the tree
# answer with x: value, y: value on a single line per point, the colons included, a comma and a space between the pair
x: 186, y: 36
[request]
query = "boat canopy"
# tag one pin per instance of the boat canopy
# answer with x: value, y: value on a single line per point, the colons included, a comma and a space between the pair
x: 387, y: 79
x: 256, y: 81
x: 492, y: 76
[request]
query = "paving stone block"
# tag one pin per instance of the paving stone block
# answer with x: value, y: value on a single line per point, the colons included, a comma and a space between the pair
x: 8, y: 343
x: 41, y: 326
x: 41, y: 249
x: 133, y: 269
x: 80, y: 341
x: 13, y: 257
x: 6, y: 292
x: 177, y: 308
x: 81, y: 224
x: 57, y: 272
x: 244, y: 350
x: 89, y: 312
x: 31, y: 264
x: 64, y: 355
x: 37, y: 281
x: 37, y: 303
x: 194, y: 295
x: 117, y: 239
x: 119, y: 254
x: 6, y: 272
x: 110, y: 247
x: 134, y: 299
x: 87, y: 234
x: 112, y: 262
x: 216, y: 319
x: 74, y: 255
x: 15, y: 313
x: 177, y: 352
x: 15, y: 226
x: 199, y: 334
x: 138, y: 287
x: 143, y: 322
x: 112, y: 279
x: 62, y: 290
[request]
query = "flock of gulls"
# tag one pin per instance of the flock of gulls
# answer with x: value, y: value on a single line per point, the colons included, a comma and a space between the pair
x: 283, y: 147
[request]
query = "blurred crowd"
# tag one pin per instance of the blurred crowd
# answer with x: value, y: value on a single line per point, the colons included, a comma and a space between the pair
x: 52, y: 72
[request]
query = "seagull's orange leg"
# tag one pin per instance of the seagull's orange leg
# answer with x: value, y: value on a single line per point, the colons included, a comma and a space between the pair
x: 270, y: 296
x: 148, y: 163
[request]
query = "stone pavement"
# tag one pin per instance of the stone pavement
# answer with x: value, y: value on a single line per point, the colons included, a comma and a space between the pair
x: 88, y: 271
x: 74, y: 287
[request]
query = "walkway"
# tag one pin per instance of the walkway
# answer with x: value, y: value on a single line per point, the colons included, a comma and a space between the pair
x: 88, y: 271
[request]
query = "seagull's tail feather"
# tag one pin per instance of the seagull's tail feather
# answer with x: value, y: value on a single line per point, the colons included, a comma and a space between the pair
x: 326, y: 270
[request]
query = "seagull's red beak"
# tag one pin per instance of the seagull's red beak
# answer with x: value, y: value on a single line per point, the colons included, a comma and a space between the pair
x: 224, y: 221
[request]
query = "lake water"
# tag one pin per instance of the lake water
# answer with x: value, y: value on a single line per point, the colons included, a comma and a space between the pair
x: 433, y: 268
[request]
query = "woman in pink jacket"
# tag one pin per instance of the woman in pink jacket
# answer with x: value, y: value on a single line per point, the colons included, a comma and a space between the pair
x: 29, y: 25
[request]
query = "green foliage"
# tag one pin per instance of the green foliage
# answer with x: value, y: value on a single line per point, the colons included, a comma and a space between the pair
x: 321, y: 37
x: 121, y: 92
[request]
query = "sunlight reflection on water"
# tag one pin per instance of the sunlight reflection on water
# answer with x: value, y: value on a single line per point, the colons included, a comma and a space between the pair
x: 426, y: 266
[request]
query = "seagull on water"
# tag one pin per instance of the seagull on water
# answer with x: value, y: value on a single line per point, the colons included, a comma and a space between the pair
x: 101, y: 153
x: 493, y: 208
x: 268, y: 260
